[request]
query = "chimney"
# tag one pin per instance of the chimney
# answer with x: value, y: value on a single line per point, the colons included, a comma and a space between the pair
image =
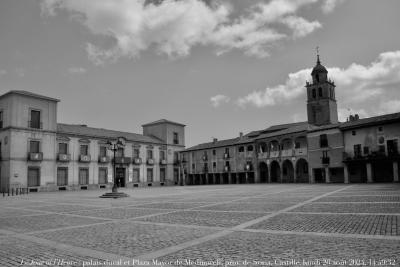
x: 241, y: 135
x: 215, y: 140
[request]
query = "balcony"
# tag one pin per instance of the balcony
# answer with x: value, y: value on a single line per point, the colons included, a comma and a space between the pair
x: 274, y: 154
x: 226, y: 156
x: 205, y: 169
x: 326, y: 161
x: 104, y: 159
x: 249, y: 167
x: 137, y: 161
x: 35, y: 125
x: 286, y: 153
x: 300, y: 151
x: 35, y: 156
x: 150, y: 161
x: 204, y: 158
x: 84, y: 158
x: 227, y: 168
x: 263, y: 155
x: 163, y: 162
x: 122, y: 160
x: 63, y: 157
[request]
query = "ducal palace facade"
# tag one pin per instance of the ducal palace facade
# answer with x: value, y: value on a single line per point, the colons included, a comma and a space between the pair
x: 42, y: 155
x: 320, y: 150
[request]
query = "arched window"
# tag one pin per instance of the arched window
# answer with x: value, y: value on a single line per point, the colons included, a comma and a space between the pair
x: 314, y: 93
x: 320, y: 92
x: 317, y: 78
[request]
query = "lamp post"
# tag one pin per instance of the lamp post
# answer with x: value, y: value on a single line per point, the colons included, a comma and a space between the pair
x: 114, y: 146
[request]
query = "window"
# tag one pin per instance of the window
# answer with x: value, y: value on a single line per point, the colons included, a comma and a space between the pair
x: 35, y: 119
x: 62, y: 176
x: 241, y: 149
x: 392, y: 147
x: 382, y: 149
x: 357, y: 150
x: 149, y: 175
x: 103, y: 151
x: 162, y: 175
x: 136, y: 153
x: 320, y: 92
x: 176, y: 139
x: 297, y: 145
x: 176, y: 157
x: 193, y: 167
x: 149, y: 154
x: 1, y: 119
x: 84, y: 150
x: 250, y: 148
x: 162, y: 154
x: 214, y: 165
x: 103, y: 175
x: 380, y: 129
x: 353, y: 133
x: 314, y: 93
x: 136, y: 175
x: 33, y: 176
x: 120, y: 152
x: 366, y: 150
x: 62, y: 148
x: 214, y: 152
x: 323, y: 140
x: 83, y: 176
x: 227, y: 163
x: 325, y: 154
x: 34, y: 146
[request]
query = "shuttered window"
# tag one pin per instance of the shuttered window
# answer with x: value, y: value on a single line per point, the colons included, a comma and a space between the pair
x: 62, y: 176
x: 102, y: 175
x: 150, y: 175
x: 162, y: 175
x: 33, y: 176
x: 136, y: 175
x: 83, y: 176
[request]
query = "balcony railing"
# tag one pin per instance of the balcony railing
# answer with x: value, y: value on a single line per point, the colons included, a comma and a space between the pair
x: 204, y: 158
x: 122, y: 160
x: 63, y: 157
x: 263, y: 155
x: 84, y: 158
x: 249, y: 167
x: 227, y: 168
x: 226, y: 155
x: 150, y: 161
x: 274, y: 154
x: 300, y: 151
x: 163, y: 162
x: 35, y: 156
x: 286, y: 153
x: 104, y: 159
x: 35, y: 125
x: 137, y: 161
x: 205, y: 169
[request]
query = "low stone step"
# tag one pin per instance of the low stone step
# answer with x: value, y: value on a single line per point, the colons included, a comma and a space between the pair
x: 114, y: 195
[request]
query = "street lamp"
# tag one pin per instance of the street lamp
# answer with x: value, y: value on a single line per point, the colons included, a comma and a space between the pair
x: 114, y: 146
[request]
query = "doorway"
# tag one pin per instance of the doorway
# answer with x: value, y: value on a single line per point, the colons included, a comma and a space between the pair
x: 120, y: 177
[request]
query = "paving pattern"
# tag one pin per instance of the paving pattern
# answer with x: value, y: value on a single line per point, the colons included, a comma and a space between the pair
x: 220, y: 225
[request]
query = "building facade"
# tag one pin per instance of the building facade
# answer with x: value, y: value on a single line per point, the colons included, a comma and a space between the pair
x: 40, y: 154
x: 319, y: 150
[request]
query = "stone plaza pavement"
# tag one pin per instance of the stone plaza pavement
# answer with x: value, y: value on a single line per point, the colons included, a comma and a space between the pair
x: 220, y: 225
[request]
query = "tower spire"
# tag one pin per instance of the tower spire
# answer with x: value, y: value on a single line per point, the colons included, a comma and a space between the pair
x: 318, y: 61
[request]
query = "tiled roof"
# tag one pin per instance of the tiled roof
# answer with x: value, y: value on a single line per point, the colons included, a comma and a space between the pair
x: 275, y: 128
x: 394, y: 117
x: 21, y: 92
x: 292, y: 128
x: 163, y: 121
x: 221, y: 143
x: 81, y: 130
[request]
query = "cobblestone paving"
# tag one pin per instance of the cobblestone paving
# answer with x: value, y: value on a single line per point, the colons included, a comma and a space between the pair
x: 334, y: 223
x: 268, y: 222
x: 42, y: 222
x: 126, y: 238
x: 278, y: 249
x: 118, y: 213
x: 351, y: 207
x: 204, y: 218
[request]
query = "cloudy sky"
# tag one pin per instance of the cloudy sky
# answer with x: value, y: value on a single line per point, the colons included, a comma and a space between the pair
x: 218, y: 66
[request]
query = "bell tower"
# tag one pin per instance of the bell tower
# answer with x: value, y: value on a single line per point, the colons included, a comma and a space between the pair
x: 321, y: 101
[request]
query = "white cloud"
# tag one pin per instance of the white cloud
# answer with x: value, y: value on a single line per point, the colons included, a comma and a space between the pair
x: 329, y: 5
x: 173, y: 27
x: 77, y: 70
x: 217, y: 100
x: 357, y: 86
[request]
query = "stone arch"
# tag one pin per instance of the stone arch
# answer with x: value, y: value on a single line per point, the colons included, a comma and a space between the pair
x: 263, y: 167
x: 275, y: 172
x: 302, y: 175
x: 287, y: 172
